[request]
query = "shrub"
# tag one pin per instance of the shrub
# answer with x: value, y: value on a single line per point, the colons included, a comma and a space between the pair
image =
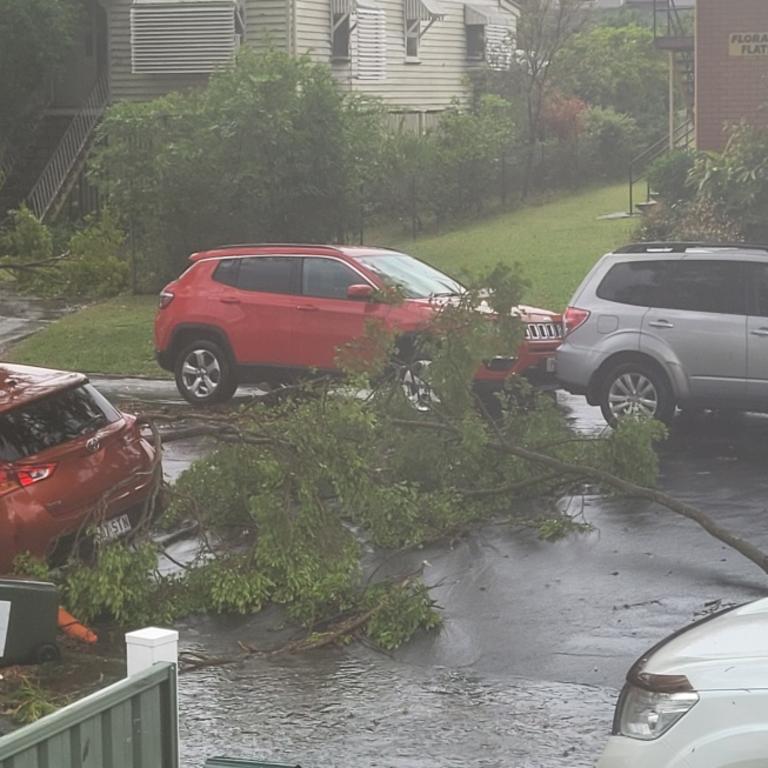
x: 91, y: 268
x: 27, y: 241
x: 735, y: 181
x: 95, y: 268
x: 609, y: 141
x: 562, y: 116
x: 669, y: 176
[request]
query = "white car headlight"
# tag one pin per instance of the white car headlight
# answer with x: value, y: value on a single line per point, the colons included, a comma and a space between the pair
x: 647, y: 715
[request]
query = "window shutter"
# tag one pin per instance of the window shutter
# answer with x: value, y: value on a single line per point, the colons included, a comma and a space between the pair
x: 187, y: 37
x: 498, y: 46
x: 371, y: 56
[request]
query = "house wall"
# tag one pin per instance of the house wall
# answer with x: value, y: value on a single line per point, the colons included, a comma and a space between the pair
x: 267, y: 24
x: 440, y: 76
x: 124, y: 85
x: 303, y: 27
x: 731, y: 79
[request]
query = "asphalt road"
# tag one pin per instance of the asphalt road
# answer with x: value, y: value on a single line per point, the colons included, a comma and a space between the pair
x: 538, y: 632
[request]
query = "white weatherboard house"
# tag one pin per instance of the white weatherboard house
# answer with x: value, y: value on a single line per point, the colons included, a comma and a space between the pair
x: 414, y: 54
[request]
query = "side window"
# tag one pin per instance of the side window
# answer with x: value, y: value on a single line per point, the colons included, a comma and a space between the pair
x: 708, y: 286
x: 226, y: 272
x: 341, y: 28
x: 269, y: 274
x: 759, y: 282
x: 328, y: 279
x: 641, y: 283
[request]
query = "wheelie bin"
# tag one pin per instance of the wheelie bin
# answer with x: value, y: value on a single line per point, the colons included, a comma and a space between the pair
x: 28, y: 622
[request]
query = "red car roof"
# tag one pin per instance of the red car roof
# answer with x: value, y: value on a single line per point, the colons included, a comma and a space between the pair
x: 20, y: 384
x: 287, y: 249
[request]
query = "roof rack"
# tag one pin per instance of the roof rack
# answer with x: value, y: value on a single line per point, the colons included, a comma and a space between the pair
x: 681, y: 247
x: 274, y: 245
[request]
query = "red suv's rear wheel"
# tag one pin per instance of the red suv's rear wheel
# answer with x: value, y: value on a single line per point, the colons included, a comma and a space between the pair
x: 204, y: 373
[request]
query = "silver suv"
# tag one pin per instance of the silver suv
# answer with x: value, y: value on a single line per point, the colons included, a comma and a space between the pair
x: 659, y: 325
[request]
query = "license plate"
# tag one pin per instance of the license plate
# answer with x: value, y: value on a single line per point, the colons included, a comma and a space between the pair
x: 550, y: 365
x: 114, y: 528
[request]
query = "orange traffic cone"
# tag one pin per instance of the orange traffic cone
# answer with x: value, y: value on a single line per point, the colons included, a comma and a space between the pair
x: 70, y: 626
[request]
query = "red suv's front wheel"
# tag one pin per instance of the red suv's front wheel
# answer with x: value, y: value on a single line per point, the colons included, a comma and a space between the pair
x: 204, y: 373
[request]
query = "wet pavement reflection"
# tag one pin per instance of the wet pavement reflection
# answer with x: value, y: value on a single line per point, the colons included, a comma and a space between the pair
x: 338, y: 709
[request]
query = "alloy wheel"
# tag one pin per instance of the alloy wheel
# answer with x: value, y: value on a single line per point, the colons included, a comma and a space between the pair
x: 416, y: 388
x: 633, y: 394
x: 201, y: 373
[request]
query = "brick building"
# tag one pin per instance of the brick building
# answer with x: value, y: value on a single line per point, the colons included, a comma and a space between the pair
x: 731, y: 67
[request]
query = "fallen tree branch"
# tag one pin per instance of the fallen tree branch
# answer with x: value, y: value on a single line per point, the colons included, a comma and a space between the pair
x: 742, y: 546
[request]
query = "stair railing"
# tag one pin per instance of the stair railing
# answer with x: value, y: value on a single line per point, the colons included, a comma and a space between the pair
x: 675, y: 27
x: 64, y: 158
x: 640, y: 164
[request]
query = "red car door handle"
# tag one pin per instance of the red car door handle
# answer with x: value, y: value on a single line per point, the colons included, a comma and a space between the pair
x: 229, y: 300
x: 307, y: 308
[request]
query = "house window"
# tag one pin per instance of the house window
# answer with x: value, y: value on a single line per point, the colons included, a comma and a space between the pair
x: 490, y: 31
x: 475, y: 42
x: 340, y: 37
x: 412, y: 35
x: 341, y: 29
x: 183, y: 36
x: 418, y: 17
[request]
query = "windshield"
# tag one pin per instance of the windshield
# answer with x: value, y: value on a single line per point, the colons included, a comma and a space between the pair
x: 416, y: 279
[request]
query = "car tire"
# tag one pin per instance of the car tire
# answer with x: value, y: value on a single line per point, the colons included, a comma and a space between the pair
x: 635, y: 388
x: 204, y: 373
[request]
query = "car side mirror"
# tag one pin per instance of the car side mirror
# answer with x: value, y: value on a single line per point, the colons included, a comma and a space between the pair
x: 361, y: 291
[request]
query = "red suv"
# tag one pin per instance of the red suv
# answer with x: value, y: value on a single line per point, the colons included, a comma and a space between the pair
x: 66, y: 456
x: 268, y: 313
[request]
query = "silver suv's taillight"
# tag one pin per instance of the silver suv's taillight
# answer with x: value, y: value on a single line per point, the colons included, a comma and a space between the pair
x: 573, y: 318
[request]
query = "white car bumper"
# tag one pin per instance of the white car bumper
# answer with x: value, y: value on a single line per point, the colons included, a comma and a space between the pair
x: 621, y: 752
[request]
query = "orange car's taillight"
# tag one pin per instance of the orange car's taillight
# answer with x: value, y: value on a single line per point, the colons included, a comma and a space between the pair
x: 166, y: 297
x: 29, y: 474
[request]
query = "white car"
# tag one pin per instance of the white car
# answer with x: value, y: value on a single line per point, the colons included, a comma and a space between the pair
x: 699, y: 699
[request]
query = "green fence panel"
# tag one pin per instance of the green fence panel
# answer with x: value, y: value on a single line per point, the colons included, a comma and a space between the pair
x: 131, y: 724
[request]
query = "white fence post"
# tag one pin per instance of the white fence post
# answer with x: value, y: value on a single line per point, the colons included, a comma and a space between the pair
x: 146, y: 647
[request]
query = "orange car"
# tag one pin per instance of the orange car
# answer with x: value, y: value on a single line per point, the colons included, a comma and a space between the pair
x: 69, y: 461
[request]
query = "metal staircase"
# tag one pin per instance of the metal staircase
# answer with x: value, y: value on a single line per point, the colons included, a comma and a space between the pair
x: 673, y: 32
x: 67, y: 161
x: 641, y: 164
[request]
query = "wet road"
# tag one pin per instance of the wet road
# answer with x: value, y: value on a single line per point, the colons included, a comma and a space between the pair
x: 537, y: 636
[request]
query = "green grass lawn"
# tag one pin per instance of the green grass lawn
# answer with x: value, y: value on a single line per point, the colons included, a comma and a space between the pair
x: 113, y: 336
x: 555, y: 242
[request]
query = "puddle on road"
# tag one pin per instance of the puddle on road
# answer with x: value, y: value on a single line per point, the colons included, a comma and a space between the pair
x: 333, y: 709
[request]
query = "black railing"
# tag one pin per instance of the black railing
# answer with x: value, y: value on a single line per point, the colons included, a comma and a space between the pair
x: 669, y: 20
x: 682, y: 138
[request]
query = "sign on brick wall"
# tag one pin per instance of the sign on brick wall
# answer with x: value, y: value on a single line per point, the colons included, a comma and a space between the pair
x: 749, y: 44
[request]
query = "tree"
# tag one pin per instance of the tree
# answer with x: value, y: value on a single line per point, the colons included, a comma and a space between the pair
x: 544, y: 29
x: 271, y: 150
x: 34, y: 38
x: 617, y: 68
